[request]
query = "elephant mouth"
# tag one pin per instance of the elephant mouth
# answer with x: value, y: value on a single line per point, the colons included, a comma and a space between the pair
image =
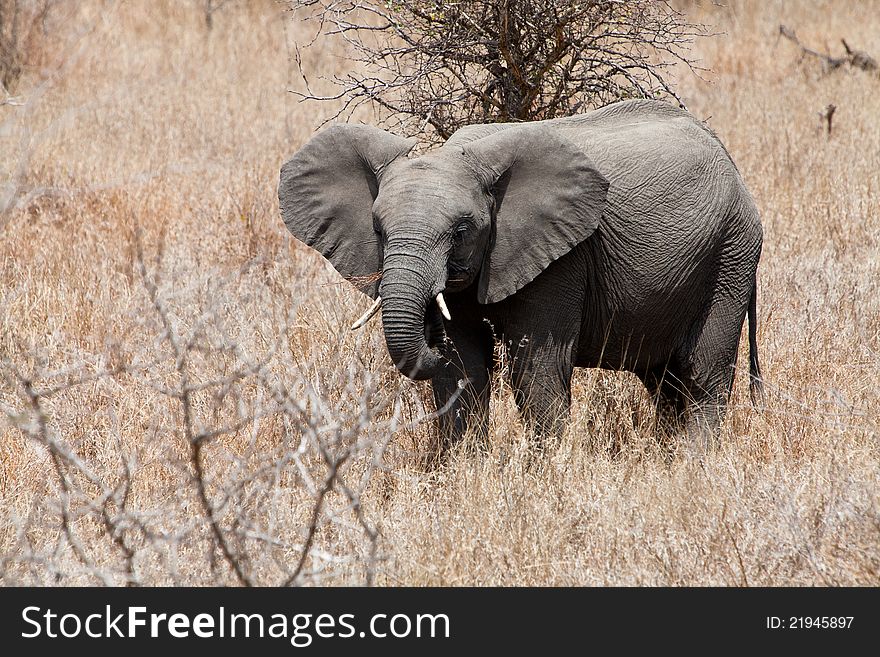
x: 435, y: 331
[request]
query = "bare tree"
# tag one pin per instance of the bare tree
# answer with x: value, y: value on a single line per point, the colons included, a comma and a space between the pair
x: 449, y: 64
x: 211, y: 7
x: 21, y: 23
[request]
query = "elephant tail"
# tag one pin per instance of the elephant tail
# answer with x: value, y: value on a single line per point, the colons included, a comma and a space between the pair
x: 756, y: 382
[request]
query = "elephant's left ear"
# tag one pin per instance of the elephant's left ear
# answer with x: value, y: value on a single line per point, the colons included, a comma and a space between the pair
x: 549, y: 198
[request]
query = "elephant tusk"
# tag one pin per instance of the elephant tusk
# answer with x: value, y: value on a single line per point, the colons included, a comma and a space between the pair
x: 443, y: 309
x: 367, y: 315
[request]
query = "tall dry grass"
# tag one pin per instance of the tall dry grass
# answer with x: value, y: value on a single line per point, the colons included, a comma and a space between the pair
x: 149, y: 291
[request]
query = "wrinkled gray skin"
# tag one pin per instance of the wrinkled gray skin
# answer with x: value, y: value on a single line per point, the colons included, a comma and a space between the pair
x: 623, y: 238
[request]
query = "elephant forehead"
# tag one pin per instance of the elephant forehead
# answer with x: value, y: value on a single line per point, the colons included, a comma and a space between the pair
x: 427, y: 185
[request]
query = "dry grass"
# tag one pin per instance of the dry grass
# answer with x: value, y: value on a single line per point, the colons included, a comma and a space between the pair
x: 146, y: 128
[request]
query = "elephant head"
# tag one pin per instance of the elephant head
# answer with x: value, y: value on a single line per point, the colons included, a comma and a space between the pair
x: 491, y: 209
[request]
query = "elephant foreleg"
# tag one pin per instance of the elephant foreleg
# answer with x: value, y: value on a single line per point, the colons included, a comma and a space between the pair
x: 669, y: 394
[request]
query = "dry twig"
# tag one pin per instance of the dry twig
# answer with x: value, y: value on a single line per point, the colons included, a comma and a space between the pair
x: 855, y: 58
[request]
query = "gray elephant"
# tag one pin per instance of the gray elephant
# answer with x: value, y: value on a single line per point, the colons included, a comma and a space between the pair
x: 623, y: 238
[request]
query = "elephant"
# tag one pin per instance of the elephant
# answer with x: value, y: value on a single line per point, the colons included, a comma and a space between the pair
x: 622, y: 238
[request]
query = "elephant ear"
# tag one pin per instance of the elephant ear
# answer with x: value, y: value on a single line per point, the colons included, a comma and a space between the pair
x: 326, y: 194
x: 549, y: 198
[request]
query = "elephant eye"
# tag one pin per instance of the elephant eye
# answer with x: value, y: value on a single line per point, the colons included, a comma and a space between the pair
x: 460, y: 231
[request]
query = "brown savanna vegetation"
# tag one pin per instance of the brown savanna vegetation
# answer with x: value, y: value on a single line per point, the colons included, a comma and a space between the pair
x: 181, y: 400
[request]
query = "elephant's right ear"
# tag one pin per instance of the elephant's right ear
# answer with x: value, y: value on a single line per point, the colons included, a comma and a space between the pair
x: 326, y: 195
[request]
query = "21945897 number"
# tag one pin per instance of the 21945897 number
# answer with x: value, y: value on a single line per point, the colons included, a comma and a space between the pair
x: 809, y: 622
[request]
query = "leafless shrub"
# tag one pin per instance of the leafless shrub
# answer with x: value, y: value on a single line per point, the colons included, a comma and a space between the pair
x: 236, y: 443
x: 449, y: 64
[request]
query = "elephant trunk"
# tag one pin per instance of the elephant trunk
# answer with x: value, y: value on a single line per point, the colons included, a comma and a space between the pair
x: 411, y: 319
